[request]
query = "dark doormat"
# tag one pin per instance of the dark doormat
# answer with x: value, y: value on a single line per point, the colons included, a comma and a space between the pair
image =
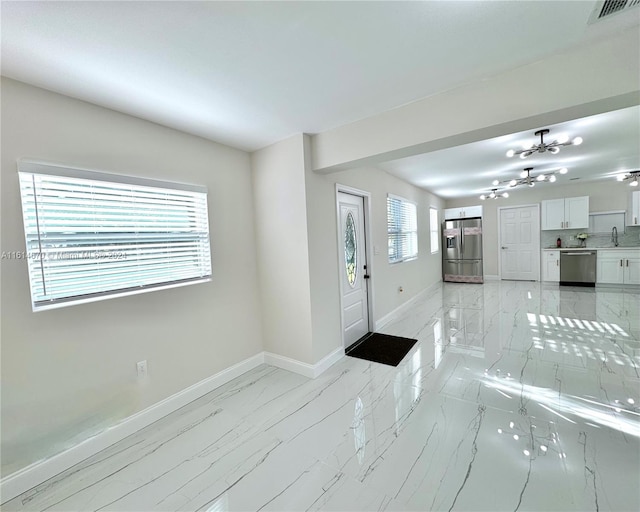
x: 381, y: 348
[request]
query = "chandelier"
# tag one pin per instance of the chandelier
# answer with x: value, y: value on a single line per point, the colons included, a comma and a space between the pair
x: 632, y: 175
x: 527, y: 179
x: 494, y: 195
x: 552, y: 147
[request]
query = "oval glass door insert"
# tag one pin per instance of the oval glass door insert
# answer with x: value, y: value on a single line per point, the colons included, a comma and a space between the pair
x: 350, y: 246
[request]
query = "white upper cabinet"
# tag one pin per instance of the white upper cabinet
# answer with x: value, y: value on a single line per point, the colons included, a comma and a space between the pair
x: 464, y: 212
x: 576, y: 212
x: 634, y: 215
x: 566, y: 213
x: 553, y: 214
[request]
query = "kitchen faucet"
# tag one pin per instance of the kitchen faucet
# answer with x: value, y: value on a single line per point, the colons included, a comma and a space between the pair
x: 614, y: 236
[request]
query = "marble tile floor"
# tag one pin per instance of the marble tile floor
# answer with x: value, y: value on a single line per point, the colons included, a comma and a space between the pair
x: 517, y: 396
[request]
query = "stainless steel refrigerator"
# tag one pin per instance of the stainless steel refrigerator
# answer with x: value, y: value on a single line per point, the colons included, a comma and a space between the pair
x: 462, y: 251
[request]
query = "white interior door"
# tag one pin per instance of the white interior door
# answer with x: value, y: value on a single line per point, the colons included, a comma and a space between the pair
x: 352, y: 259
x: 520, y: 243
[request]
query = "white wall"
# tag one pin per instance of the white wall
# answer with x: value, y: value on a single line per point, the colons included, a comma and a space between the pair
x: 603, y: 196
x: 281, y: 230
x: 323, y: 260
x: 68, y: 373
x: 586, y: 80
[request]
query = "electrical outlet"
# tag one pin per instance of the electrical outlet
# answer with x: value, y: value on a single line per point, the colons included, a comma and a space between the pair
x: 141, y: 367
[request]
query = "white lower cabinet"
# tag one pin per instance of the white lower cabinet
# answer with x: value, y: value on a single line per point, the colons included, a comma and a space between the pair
x: 551, y: 266
x: 618, y: 267
x: 632, y: 271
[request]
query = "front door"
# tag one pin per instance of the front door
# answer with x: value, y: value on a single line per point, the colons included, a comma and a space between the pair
x: 520, y: 243
x: 352, y: 259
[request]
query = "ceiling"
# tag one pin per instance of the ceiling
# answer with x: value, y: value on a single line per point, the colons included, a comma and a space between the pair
x: 611, y: 146
x: 248, y: 74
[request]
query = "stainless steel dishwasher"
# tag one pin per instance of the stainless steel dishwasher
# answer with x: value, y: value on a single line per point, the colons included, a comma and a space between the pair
x: 578, y: 268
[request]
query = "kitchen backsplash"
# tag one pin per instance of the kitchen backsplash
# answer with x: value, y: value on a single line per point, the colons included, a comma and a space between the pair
x: 630, y: 238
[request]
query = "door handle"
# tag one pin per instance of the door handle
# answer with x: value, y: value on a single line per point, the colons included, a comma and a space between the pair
x: 627, y: 263
x: 557, y: 263
x: 503, y: 247
x: 366, y: 276
x: 620, y: 262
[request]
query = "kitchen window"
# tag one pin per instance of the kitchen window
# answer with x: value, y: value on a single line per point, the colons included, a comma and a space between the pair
x: 402, y: 229
x: 92, y: 236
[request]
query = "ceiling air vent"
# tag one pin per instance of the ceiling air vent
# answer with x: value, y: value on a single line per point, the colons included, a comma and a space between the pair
x: 608, y: 7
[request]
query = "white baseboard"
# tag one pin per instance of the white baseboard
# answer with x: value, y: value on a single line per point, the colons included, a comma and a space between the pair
x: 292, y: 365
x: 41, y: 471
x: 38, y: 472
x: 307, y: 370
x: 326, y: 362
x: 379, y: 324
x: 491, y: 277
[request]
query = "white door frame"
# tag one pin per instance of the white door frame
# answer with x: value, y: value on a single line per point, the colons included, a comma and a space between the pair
x: 368, y: 247
x: 537, y: 253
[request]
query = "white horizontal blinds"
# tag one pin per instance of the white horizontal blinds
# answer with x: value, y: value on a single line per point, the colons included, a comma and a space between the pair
x: 434, y: 230
x: 88, y: 237
x: 402, y: 226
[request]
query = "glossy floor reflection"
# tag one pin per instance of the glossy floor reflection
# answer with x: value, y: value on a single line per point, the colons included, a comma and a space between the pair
x: 518, y: 396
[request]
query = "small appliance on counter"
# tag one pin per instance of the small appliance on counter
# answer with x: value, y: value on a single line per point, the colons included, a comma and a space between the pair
x: 462, y: 251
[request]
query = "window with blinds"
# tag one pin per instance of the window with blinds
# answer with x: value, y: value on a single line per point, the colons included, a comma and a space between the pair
x: 91, y: 236
x: 434, y: 230
x: 402, y: 229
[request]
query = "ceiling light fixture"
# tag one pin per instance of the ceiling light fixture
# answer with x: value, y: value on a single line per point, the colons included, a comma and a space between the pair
x: 631, y: 175
x: 527, y: 179
x: 552, y: 147
x: 494, y: 194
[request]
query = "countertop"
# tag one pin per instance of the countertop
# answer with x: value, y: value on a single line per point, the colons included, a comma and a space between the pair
x: 633, y: 248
